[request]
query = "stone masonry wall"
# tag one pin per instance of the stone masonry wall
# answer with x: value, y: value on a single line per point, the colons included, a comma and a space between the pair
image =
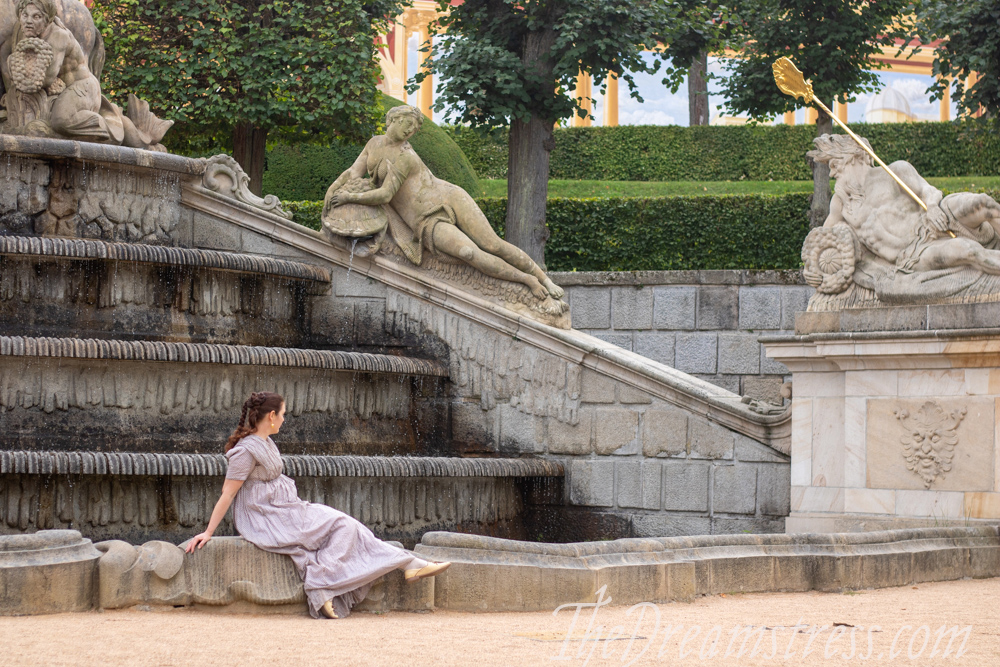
x: 636, y: 465
x: 705, y: 323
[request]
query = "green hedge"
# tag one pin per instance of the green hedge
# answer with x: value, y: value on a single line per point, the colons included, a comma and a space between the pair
x: 305, y: 171
x: 657, y: 233
x: 756, y: 153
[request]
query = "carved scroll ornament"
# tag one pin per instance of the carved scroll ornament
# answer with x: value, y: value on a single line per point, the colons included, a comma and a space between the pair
x: 224, y: 175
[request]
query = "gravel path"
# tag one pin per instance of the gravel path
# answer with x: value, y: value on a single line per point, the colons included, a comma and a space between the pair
x: 905, y: 617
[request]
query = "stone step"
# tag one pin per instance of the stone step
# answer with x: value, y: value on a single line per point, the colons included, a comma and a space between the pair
x: 206, y: 353
x: 214, y: 465
x: 139, y: 253
x: 133, y: 291
x: 70, y: 393
x: 139, y: 496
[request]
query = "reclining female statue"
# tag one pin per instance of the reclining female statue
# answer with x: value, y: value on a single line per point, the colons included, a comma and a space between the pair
x: 903, y: 253
x: 435, y: 215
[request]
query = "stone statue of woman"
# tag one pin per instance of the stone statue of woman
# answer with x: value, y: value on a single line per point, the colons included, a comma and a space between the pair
x: 434, y: 215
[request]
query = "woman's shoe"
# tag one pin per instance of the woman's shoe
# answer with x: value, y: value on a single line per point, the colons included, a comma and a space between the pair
x: 430, y: 570
x: 327, y: 609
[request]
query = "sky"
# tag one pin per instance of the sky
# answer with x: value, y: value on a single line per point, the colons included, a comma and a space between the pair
x: 661, y: 107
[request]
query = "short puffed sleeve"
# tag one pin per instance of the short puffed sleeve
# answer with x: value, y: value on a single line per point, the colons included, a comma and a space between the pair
x: 241, y: 463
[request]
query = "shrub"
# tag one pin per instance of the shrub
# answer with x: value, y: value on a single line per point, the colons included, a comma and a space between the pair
x: 656, y: 233
x: 756, y: 153
x: 305, y: 171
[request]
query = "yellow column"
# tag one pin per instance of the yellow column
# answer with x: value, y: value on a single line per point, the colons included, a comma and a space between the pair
x: 583, y: 90
x: 811, y: 116
x: 840, y: 110
x: 425, y: 95
x: 971, y: 81
x: 611, y: 102
x: 946, y: 103
x: 789, y: 118
x: 400, y: 35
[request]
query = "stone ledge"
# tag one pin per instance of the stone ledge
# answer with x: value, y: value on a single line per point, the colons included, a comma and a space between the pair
x: 150, y: 254
x: 46, y: 573
x: 214, y: 465
x: 227, y: 574
x: 652, y: 278
x: 207, y: 353
x: 922, y: 318
x: 41, y: 148
x: 543, y: 576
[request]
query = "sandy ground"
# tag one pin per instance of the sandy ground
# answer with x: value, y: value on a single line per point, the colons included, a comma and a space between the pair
x: 890, y: 626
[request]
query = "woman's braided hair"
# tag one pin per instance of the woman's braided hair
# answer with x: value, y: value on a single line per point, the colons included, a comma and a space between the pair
x: 260, y: 404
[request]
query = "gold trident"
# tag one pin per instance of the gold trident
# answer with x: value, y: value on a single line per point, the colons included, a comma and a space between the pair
x: 792, y: 83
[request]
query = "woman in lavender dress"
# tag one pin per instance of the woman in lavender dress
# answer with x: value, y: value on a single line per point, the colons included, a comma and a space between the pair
x: 337, y: 556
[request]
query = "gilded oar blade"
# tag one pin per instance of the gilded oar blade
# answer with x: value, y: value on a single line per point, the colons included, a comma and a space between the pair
x: 790, y: 80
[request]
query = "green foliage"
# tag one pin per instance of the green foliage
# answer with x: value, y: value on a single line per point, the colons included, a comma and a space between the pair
x: 301, y: 172
x: 306, y: 213
x: 970, y: 30
x: 306, y: 68
x: 756, y: 153
x: 661, y: 233
x: 583, y: 189
x: 831, y: 42
x: 501, y: 60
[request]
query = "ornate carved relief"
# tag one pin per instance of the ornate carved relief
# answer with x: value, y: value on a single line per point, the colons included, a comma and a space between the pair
x: 929, y: 444
x: 223, y: 174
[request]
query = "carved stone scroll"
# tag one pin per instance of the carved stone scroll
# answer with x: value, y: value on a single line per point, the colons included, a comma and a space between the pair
x: 223, y: 174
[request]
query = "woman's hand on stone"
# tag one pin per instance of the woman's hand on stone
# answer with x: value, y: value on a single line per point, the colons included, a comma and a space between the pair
x: 812, y: 278
x: 198, y: 541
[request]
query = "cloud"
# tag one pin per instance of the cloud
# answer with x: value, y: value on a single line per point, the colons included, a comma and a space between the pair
x: 645, y: 117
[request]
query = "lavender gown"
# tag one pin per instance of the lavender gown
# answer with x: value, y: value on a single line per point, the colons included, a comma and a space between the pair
x: 336, y: 555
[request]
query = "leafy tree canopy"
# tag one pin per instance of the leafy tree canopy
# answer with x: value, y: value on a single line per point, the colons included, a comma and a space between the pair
x: 304, y: 68
x: 970, y: 30
x: 831, y: 42
x: 501, y: 60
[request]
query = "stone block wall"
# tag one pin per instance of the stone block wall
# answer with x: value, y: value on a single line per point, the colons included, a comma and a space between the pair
x: 635, y: 463
x: 705, y: 323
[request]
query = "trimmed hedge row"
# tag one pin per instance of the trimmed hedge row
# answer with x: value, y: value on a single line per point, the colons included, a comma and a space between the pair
x: 732, y: 153
x: 657, y: 233
x: 305, y: 171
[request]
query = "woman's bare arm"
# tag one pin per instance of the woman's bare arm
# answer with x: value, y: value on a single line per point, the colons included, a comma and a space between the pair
x: 229, y: 489
x: 356, y: 170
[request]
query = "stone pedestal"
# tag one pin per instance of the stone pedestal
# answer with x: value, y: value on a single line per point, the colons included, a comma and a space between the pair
x: 47, y: 572
x: 894, y: 418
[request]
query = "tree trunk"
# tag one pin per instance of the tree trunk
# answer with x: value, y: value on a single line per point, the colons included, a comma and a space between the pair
x: 528, y: 186
x: 249, y: 146
x: 819, y: 209
x: 698, y: 90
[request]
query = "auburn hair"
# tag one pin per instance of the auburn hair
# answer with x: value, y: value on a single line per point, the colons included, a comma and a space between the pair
x: 255, y: 408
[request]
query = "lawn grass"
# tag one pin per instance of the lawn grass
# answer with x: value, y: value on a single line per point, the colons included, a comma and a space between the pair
x: 582, y: 189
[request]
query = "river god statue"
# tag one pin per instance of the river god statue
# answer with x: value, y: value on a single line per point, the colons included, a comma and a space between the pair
x: 52, y: 92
